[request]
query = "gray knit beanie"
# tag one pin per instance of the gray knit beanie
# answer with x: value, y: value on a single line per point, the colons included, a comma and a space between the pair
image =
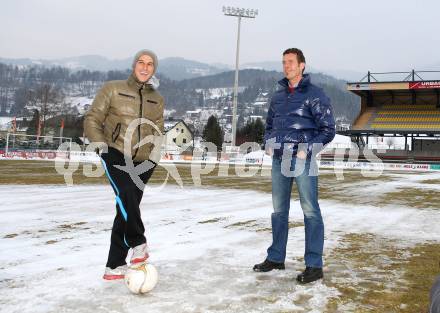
x: 146, y: 52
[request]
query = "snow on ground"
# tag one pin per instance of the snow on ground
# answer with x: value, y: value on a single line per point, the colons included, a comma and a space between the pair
x: 204, y: 242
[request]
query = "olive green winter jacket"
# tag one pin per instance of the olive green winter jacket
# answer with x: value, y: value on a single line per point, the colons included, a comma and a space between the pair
x: 117, y: 104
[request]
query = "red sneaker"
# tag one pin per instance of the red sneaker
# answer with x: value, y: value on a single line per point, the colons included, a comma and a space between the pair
x: 115, y: 273
x: 140, y: 254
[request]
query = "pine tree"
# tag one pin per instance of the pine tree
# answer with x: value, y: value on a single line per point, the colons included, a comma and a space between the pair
x: 259, y: 129
x: 253, y: 131
x: 213, y: 132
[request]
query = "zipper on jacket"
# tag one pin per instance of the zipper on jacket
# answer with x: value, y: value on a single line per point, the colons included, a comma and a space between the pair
x: 140, y: 116
x: 116, y: 132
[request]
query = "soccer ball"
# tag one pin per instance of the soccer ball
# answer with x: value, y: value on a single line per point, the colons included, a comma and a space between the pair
x: 141, y: 278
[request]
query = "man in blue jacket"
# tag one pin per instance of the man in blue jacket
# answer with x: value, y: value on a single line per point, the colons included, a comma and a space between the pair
x: 434, y: 306
x: 299, y: 123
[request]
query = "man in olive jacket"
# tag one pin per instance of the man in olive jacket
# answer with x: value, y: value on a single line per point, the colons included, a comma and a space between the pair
x: 123, y: 115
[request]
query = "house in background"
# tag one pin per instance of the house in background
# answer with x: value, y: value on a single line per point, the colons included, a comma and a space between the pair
x: 177, y: 135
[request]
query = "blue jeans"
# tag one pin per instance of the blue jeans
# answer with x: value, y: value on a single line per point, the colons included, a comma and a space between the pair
x: 284, y: 171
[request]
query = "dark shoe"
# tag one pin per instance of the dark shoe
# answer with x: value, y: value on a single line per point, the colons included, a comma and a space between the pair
x: 267, y: 266
x: 310, y: 274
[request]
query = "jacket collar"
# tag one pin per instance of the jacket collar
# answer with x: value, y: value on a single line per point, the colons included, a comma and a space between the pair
x: 303, y: 83
x: 134, y: 83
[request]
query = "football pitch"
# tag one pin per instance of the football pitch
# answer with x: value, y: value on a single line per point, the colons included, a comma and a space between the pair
x: 382, y: 247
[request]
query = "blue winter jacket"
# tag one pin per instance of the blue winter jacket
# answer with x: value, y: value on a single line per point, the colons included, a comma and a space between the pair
x: 299, y: 119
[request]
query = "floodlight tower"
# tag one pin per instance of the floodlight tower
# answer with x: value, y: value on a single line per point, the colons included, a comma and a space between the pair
x: 239, y: 13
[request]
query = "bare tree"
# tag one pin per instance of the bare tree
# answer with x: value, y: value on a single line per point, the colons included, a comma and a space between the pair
x: 390, y: 142
x: 4, y: 94
x: 48, y: 100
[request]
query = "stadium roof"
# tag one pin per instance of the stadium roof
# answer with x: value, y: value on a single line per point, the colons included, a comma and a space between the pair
x: 409, y: 106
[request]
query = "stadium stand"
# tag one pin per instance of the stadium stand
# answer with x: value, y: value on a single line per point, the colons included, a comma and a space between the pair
x: 408, y: 108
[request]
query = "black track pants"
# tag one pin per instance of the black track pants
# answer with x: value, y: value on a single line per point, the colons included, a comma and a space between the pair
x: 128, y: 229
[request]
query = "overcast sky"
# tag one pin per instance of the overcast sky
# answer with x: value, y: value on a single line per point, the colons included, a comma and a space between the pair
x: 380, y: 35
